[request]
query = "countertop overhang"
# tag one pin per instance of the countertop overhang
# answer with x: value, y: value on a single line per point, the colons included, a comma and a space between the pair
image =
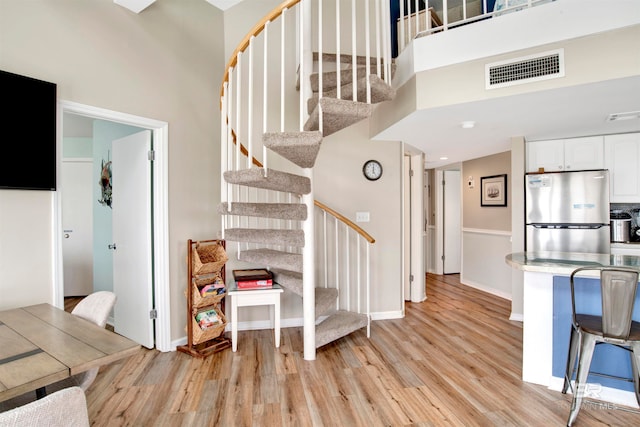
x: 565, y: 262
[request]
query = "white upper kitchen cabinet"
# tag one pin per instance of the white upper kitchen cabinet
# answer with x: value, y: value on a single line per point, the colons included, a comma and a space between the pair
x: 560, y: 155
x: 622, y: 158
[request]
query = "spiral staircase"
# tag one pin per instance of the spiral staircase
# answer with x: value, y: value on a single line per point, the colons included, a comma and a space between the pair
x: 270, y: 212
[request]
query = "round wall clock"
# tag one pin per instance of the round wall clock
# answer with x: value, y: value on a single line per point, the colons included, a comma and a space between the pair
x: 372, y: 170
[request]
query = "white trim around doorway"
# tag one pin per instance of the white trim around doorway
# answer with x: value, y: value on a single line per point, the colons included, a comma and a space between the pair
x: 161, y: 293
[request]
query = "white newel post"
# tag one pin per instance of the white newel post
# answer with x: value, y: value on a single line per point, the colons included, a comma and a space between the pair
x: 308, y: 254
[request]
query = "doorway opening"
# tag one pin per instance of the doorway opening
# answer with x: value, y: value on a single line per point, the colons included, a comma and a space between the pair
x: 448, y: 259
x: 158, y: 194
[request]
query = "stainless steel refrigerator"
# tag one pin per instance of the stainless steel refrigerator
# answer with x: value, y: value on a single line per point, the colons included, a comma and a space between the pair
x: 568, y: 211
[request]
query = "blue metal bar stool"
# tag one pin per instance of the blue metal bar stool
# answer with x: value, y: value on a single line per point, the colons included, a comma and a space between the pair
x: 614, y: 326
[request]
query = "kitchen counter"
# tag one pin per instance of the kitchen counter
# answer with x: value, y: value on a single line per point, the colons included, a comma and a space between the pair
x: 547, y: 321
x: 565, y: 262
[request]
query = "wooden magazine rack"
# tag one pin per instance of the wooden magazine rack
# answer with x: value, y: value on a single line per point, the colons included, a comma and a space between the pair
x: 205, y: 264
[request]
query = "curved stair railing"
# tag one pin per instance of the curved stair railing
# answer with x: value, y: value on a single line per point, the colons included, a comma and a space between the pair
x: 290, y: 83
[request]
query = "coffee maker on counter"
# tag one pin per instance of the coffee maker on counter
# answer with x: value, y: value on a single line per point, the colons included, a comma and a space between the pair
x: 620, y: 223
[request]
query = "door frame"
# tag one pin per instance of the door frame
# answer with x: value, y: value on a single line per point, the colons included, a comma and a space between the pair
x: 413, y: 225
x: 160, y: 232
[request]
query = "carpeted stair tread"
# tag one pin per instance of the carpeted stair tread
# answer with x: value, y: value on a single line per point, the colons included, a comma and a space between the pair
x: 272, y: 258
x: 291, y: 280
x: 330, y: 78
x: 301, y: 148
x: 338, y: 325
x: 266, y: 236
x: 275, y: 180
x: 380, y: 92
x: 289, y: 211
x: 345, y: 58
x: 337, y: 115
x: 325, y: 299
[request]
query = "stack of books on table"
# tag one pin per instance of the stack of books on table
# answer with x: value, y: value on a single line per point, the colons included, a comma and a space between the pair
x: 253, y: 279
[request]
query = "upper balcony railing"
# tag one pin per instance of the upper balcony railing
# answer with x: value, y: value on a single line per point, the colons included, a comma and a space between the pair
x: 418, y: 18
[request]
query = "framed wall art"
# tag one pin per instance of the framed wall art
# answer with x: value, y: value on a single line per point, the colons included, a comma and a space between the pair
x: 493, y: 190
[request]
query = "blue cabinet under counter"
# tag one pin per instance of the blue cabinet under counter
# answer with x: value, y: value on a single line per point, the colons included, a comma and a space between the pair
x: 547, y: 322
x: 611, y: 365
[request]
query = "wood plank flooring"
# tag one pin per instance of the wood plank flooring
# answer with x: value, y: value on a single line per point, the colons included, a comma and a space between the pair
x: 454, y: 360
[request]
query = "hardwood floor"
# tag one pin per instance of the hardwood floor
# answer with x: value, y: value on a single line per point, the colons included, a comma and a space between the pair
x: 454, y: 360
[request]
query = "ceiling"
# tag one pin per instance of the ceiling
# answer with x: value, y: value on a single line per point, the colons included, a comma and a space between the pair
x: 560, y: 113
x: 224, y: 4
x: 138, y: 6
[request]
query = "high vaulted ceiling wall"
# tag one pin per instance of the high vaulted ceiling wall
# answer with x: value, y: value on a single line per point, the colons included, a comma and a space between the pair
x: 138, y: 6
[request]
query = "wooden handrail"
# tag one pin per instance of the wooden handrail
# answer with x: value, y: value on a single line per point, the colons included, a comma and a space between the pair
x: 244, y: 150
x: 345, y: 220
x: 257, y: 29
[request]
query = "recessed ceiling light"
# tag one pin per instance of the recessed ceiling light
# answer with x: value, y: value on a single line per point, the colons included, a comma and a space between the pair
x: 468, y: 124
x: 630, y: 115
x: 444, y: 158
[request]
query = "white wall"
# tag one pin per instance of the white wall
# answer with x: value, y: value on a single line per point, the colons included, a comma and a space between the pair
x: 166, y: 64
x: 486, y: 230
x: 484, y: 268
x: 340, y: 183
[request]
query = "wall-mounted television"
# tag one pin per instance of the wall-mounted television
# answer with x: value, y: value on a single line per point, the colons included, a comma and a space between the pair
x: 28, y: 133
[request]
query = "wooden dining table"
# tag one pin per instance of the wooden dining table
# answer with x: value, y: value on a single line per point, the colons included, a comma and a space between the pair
x: 42, y: 344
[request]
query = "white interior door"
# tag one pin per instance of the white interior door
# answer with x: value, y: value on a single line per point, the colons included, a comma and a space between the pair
x: 77, y: 226
x: 132, y: 264
x: 451, y: 221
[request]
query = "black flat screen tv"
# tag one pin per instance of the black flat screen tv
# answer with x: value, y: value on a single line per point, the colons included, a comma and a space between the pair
x: 28, y: 133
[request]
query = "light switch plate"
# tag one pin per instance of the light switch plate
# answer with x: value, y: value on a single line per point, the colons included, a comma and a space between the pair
x: 362, y: 216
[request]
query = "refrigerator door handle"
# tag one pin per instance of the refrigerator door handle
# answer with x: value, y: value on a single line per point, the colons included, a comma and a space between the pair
x: 569, y: 226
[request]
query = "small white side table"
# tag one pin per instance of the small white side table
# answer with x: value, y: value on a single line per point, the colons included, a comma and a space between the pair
x: 251, y: 297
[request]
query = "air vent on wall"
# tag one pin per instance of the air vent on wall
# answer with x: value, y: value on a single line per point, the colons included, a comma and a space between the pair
x: 533, y: 68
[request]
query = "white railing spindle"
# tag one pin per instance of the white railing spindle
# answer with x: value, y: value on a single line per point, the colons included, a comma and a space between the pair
x: 325, y: 249
x: 354, y: 52
x: 336, y: 251
x: 338, y: 51
x: 283, y: 21
x: 416, y: 12
x: 403, y: 24
x: 238, y: 110
x: 358, y: 273
x: 378, y: 29
x: 250, y: 105
x: 368, y: 270
x: 386, y: 43
x: 347, y: 265
x: 223, y: 154
x: 265, y: 92
x: 367, y: 55
x: 320, y: 74
x: 445, y: 14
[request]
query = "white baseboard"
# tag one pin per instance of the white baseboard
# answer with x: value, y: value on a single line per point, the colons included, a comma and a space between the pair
x: 285, y: 323
x: 517, y: 317
x: 485, y: 288
x: 599, y: 393
x: 386, y: 315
